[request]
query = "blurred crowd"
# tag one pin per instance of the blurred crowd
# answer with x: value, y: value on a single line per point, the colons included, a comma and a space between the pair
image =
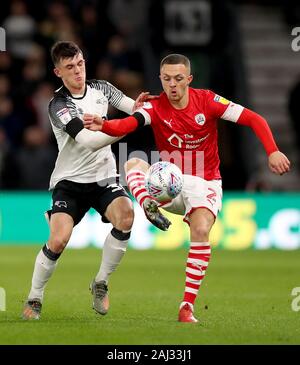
x: 123, y: 42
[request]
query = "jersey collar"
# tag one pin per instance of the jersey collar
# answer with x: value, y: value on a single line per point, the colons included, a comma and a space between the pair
x: 77, y: 97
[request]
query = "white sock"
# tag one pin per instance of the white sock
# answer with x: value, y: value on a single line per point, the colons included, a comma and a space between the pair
x: 42, y: 272
x: 112, y: 253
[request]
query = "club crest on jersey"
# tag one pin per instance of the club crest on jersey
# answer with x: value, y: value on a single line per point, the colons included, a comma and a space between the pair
x: 200, y: 119
x: 80, y: 112
x: 220, y: 99
x: 147, y: 105
x: 101, y: 101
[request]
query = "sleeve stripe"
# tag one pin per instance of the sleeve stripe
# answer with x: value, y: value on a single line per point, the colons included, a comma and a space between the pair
x: 72, y: 108
x: 74, y: 127
x: 115, y: 101
x: 233, y: 112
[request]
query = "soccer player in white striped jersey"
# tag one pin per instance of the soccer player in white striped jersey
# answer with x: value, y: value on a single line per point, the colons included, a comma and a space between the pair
x: 84, y: 176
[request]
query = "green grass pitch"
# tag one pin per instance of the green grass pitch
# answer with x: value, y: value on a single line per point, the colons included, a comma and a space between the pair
x: 245, y: 299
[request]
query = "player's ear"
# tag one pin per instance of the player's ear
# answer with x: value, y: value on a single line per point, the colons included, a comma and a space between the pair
x: 57, y: 72
x: 190, y: 79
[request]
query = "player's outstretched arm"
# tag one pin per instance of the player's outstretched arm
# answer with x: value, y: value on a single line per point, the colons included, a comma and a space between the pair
x: 278, y: 162
x: 114, y: 127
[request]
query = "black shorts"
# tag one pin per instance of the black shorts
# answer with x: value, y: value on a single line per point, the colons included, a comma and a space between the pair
x: 76, y: 199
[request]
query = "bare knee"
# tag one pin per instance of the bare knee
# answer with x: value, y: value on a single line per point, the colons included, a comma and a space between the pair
x: 201, y: 222
x: 136, y: 163
x: 61, y: 226
x: 124, y: 220
x: 57, y: 244
x: 200, y: 233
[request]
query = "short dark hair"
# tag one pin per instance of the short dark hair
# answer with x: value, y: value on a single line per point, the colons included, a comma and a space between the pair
x: 64, y: 49
x: 175, y: 59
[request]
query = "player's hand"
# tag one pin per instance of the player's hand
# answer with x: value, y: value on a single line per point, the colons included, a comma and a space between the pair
x: 93, y: 122
x: 144, y: 96
x: 279, y: 163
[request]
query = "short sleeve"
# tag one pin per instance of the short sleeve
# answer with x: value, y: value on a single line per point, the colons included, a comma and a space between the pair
x: 147, y: 110
x: 113, y: 94
x: 61, y: 111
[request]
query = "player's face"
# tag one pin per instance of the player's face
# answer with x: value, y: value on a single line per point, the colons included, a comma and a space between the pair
x: 72, y: 73
x: 175, y: 80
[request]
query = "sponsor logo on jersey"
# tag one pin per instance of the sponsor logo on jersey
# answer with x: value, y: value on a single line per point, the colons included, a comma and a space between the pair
x: 168, y: 122
x: 101, y: 101
x: 191, y: 145
x: 64, y: 115
x: 80, y: 112
x: 200, y: 119
x: 187, y: 136
x: 221, y: 100
x: 175, y: 140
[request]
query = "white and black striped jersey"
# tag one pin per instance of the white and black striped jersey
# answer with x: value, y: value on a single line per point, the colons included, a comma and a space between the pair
x: 75, y: 162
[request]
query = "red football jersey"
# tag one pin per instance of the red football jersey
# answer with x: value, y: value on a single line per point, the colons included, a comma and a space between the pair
x: 188, y: 137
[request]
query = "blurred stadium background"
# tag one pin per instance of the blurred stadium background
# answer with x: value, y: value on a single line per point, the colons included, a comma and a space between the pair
x: 240, y: 49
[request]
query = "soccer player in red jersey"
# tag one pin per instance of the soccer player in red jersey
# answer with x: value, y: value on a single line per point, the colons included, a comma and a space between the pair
x: 184, y: 122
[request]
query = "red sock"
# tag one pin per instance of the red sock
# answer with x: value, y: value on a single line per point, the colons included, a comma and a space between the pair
x: 197, y: 262
x: 136, y: 184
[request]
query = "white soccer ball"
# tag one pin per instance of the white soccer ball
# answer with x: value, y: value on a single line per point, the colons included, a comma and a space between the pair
x: 163, y: 181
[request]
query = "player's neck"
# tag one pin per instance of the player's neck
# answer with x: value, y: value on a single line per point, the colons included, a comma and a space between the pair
x: 182, y: 103
x: 77, y: 92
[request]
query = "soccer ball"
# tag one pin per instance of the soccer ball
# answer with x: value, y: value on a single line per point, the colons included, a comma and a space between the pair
x: 163, y: 181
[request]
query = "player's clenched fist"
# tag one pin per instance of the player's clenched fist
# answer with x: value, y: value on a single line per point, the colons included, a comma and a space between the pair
x: 279, y: 163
